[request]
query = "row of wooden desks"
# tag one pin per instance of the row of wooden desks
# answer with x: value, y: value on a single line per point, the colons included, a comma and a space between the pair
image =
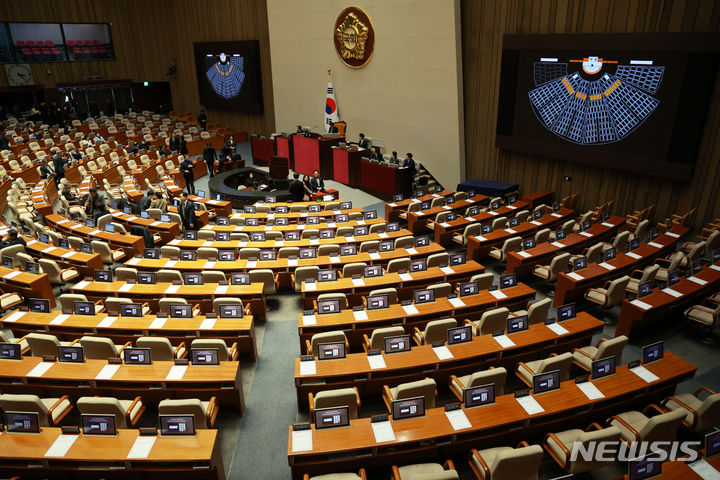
x: 505, y: 422
x: 294, y: 217
x: 357, y: 323
x: 444, y: 232
x: 423, y: 361
x: 26, y: 284
x: 292, y: 227
x: 44, y: 194
x: 85, y: 263
x: 166, y: 230
x: 417, y: 221
x: 129, y: 243
x: 394, y: 209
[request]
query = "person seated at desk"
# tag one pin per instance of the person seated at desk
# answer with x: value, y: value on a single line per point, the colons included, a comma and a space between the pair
x: 299, y: 130
x: 296, y: 188
x: 374, y: 155
x: 394, y: 158
x: 409, y: 163
x: 157, y: 201
x: 226, y: 163
x: 145, y: 201
x: 12, y: 239
x: 132, y: 148
x: 76, y: 155
x: 95, y: 203
x: 333, y: 128
x: 317, y: 184
x: 363, y: 142
x: 46, y: 171
x: 69, y: 196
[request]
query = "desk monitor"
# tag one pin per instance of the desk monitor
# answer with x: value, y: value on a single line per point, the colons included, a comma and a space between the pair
x: 605, y: 215
x: 634, y: 243
x: 566, y: 312
x: 332, y: 417
x: 400, y: 343
x: 190, y: 235
x: 32, y: 267
x: 94, y: 424
x: 528, y: 243
x: 419, y: 265
x: 110, y: 228
x: 308, y: 252
x: 204, y: 356
x: 257, y: 236
x: 468, y: 288
x: 239, y: 278
x: 495, y: 205
x: 201, y: 193
x: 181, y: 310
x: 188, y: 255
x: 610, y: 253
x: 372, y: 271
x: 146, y: 278
x: 360, y: 230
x: 177, y: 424
x: 90, y: 222
x: 231, y: 310
x: 424, y: 205
x: 281, y: 209
x: 328, y: 306
x: 422, y: 241
x: 652, y: 352
x: 645, y: 289
x: 292, y: 235
x: 175, y: 203
x: 345, y: 205
x: 478, y: 396
x: 84, y: 248
x: 84, y: 308
x: 220, y: 197
x: 327, y: 275
x: 513, y: 222
x: 459, y: 335
x: 327, y: 233
x: 252, y: 222
x: 64, y: 243
x: 271, y: 199
x: 222, y: 236
x: 226, y: 255
x: 44, y: 238
x: 153, y: 253
x: 222, y: 221
x: 653, y: 233
x: 342, y: 218
x: 408, y: 408
x: 643, y: 468
x: 419, y: 194
x: 712, y: 444
x: 22, y: 422
x: 10, y: 351
x: 555, y: 206
x: 7, y: 262
x: 517, y: 324
x: 248, y: 209
x: 102, y: 276
x: 328, y: 351
x: 131, y: 310
x: 392, y: 227
x: 450, y: 216
x: 314, y: 220
x: 424, y: 295
x: 486, y: 228
x: 537, y: 214
x: 137, y: 356
x: 603, y: 367
x: 673, y: 277
x: 386, y: 246
x: 507, y: 281
x: 267, y: 254
x: 40, y: 305
x: 579, y: 263
x: 346, y: 250
x: 378, y: 301
x: 697, y: 266
x: 370, y: 215
x: 144, y: 214
x: 559, y: 234
x: 314, y: 208
x: 545, y: 382
x: 398, y: 197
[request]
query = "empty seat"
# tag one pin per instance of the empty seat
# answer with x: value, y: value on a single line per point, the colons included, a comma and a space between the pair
x: 350, y: 269
x: 56, y: 275
x: 701, y: 414
x: 165, y: 303
x: 206, y: 253
x: 557, y: 265
x: 438, y: 259
x: 161, y: 349
x: 484, y: 280
x: 378, y: 336
x: 126, y: 412
x: 390, y: 292
x: 108, y: 256
x: 169, y: 276
x: 560, y: 445
x: 491, y: 321
x: 425, y: 471
x: 425, y: 388
x: 213, y: 276
x: 43, y: 344
x: 636, y: 426
x: 537, y: 311
x: 510, y: 245
x: 112, y: 305
x: 612, y: 294
x: 405, y: 242
x: 562, y: 362
x: 583, y: 357
x: 495, y: 376
x: 441, y: 289
x: 123, y: 274
x: 51, y: 411
x: 337, y: 336
x: 340, y: 397
x: 435, y: 331
x: 639, y: 277
x: 266, y: 277
x: 100, y: 348
x: 67, y: 301
x: 303, y: 273
x: 204, y: 413
x: 224, y: 353
x: 507, y: 463
x: 397, y: 264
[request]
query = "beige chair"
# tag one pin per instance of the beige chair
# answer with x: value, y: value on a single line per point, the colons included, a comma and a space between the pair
x: 640, y: 230
x: 67, y: 301
x: 10, y: 300
x: 165, y: 303
x: 495, y: 376
x: 207, y: 253
x: 127, y: 412
x: 537, y: 312
x: 560, y: 445
x: 51, y: 411
x: 266, y: 277
x: 526, y: 371
x: 303, y: 273
x: 340, y: 397
x: 493, y: 320
x: 286, y: 252
x: 695, y: 253
x: 101, y: 348
x: 711, y: 242
x: 169, y: 252
x: 700, y: 414
x: 543, y: 235
x: 435, y: 331
x: 706, y: 316
x: 550, y: 272
x: 636, y: 426
x: 327, y: 250
x: 169, y: 276
x: 108, y: 256
x: 425, y: 471
x: 224, y: 353
x: 507, y: 463
x: 213, y: 276
x: 499, y: 222
x: 425, y: 388
x: 378, y: 336
x: 350, y: 269
x: 123, y: 274
x: 204, y: 413
x: 397, y: 264
x: 55, y: 274
x: 473, y: 229
x: 485, y: 280
x: 206, y: 235
x: 612, y: 294
x: 227, y: 301
x: 340, y: 297
x: 336, y: 336
x: 510, y: 245
x: 112, y: 304
x: 310, y: 233
x: 44, y: 344
x: 248, y: 252
x: 414, y: 206
x: 441, y: 289
x: 22, y: 341
x: 583, y: 357
x: 161, y: 349
x: 438, y: 259
x: 667, y: 265
x: 391, y: 292
x: 338, y: 476
x: 405, y: 242
x: 638, y: 277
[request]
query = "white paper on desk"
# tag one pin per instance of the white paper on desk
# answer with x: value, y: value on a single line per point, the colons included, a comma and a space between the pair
x: 558, y: 329
x: 279, y: 243
x: 575, y: 276
x: 511, y: 231
x: 556, y: 215
x: 81, y: 285
x: 704, y: 470
x: 383, y: 235
x: 557, y: 244
x: 456, y: 302
x: 176, y: 372
x: 393, y: 204
x: 606, y: 224
x: 107, y: 372
x: 208, y: 324
x: 590, y: 390
x: 699, y: 281
x: 174, y: 242
x: 492, y: 213
x: 309, y: 319
x: 530, y: 405
x: 645, y: 374
x: 310, y: 287
x: 40, y: 369
x: 168, y: 264
x: 308, y: 368
x: 126, y: 288
x: 68, y: 254
x: 523, y: 254
x: 606, y: 266
x: 239, y: 228
x: 61, y: 445
x: 656, y: 245
x: 155, y: 223
x: 715, y: 267
x: 303, y: 214
x: 250, y: 264
x: 411, y: 251
x: 314, y: 241
x: 504, y: 341
x: 672, y: 292
x: 446, y: 207
x: 301, y: 226
x: 133, y: 261
x: 360, y: 314
x: 444, y: 224
x: 331, y: 224
x: 209, y: 264
x: 78, y: 225
x: 158, y: 323
x: 141, y: 448
x: 14, y: 317
x: 106, y: 322
x: 130, y: 219
x: 335, y: 259
x: 443, y: 353
x: 498, y: 294
x: 292, y: 262
x: 63, y: 222
x: 220, y: 289
x: 271, y: 216
x: 206, y: 227
x: 172, y: 288
x: 447, y: 270
x: 641, y: 304
x: 481, y: 238
x: 31, y: 242
x: 633, y: 255
x: 410, y: 309
x: 361, y: 222
x: 383, y: 432
x: 302, y: 440
x: 14, y: 273
x: 511, y: 207
x: 674, y: 235
x: 60, y: 319
x: 358, y: 282
x: 207, y: 243
x: 535, y: 222
x: 374, y: 256
x: 470, y: 219
x: 405, y: 277
x: 350, y: 239
x: 376, y: 361
x: 458, y: 419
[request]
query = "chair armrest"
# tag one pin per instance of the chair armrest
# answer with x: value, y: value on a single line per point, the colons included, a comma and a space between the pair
x: 626, y: 425
x: 132, y: 406
x: 553, y: 355
x: 67, y: 270
x: 308, y: 347
x: 127, y: 344
x: 179, y: 347
x: 636, y: 273
x: 525, y: 367
x: 709, y: 390
x: 395, y: 473
x: 56, y: 405
x: 420, y: 339
x: 449, y: 465
x: 594, y: 426
x: 702, y: 309
x: 366, y: 342
x: 522, y: 444
x: 387, y: 397
x: 361, y: 474
x: 663, y: 262
x: 561, y: 446
x: 685, y: 406
x: 486, y: 470
x: 357, y: 396
x: 655, y: 407
x: 311, y: 403
x: 600, y: 342
x: 455, y: 379
x: 212, y: 410
x: 233, y: 351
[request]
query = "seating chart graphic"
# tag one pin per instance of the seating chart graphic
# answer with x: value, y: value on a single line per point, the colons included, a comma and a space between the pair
x: 225, y: 74
x: 592, y: 105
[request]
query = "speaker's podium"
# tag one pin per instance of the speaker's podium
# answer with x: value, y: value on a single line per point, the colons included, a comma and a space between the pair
x: 261, y: 149
x: 279, y: 168
x: 314, y: 152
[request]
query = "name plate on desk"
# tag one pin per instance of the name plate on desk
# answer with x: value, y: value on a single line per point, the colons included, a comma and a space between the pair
x: 633, y: 255
x: 606, y: 266
x: 156, y: 223
x: 251, y: 264
x: 302, y: 440
x: 211, y: 264
x: 672, y: 292
x: 308, y: 367
x: 158, y: 323
x: 470, y: 219
x: 456, y: 302
x: 557, y: 328
x: 511, y: 231
x: 68, y: 254
x: 586, y: 234
x: 314, y: 241
x: 699, y: 281
x: 656, y: 245
x: 383, y: 235
x: 221, y: 289
x: 535, y: 222
x: 292, y: 262
x: 557, y: 244
x: 674, y: 235
x: 358, y: 282
x: 174, y: 242
x: 374, y: 256
x: 376, y: 362
x: 714, y: 267
x: 14, y: 317
x: 134, y: 261
x: 606, y: 224
x: 411, y: 251
x: 12, y: 274
x: 208, y: 324
x: 239, y: 228
x: 575, y: 276
x: 126, y: 288
x: 172, y: 289
x: 79, y: 285
x: 447, y: 270
x: 556, y: 215
x: 106, y: 322
x: 405, y: 277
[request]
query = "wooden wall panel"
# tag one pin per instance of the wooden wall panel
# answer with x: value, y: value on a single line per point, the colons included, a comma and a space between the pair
x: 485, y: 22
x: 148, y: 35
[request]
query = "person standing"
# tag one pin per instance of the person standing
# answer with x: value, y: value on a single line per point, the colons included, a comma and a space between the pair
x: 307, y: 187
x: 186, y: 167
x: 45, y: 170
x: 182, y: 145
x: 316, y: 182
x: 95, y: 204
x: 174, y: 143
x: 210, y: 155
x: 186, y: 210
x: 59, y: 166
x: 297, y: 189
x: 202, y: 119
x: 231, y: 144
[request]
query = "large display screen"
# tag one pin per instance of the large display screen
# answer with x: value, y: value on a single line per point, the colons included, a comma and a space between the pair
x: 625, y: 101
x: 37, y: 42
x: 55, y: 42
x: 229, y: 76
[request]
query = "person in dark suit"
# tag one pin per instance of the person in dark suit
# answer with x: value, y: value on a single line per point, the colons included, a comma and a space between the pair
x: 174, y: 144
x: 333, y: 128
x: 186, y: 210
x: 316, y: 182
x: 202, y: 119
x: 95, y: 204
x: 210, y: 155
x: 59, y: 166
x: 4, y: 143
x: 231, y: 145
x: 363, y: 142
x: 132, y: 148
x: 46, y: 171
x: 182, y: 145
x: 374, y: 155
x: 76, y: 155
x: 409, y: 163
x: 186, y: 167
x: 297, y: 189
x: 145, y: 201
x: 13, y: 239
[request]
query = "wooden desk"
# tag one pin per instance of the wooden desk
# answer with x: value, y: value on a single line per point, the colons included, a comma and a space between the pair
x: 84, y: 263
x: 568, y: 289
x: 680, y: 470
x: 317, y: 196
x: 395, y: 315
x: 79, y: 380
x: 383, y: 180
x: 417, y: 221
x: 291, y: 227
x: 219, y: 207
x: 273, y: 206
x: 182, y: 457
x: 26, y: 284
x: 44, y: 194
x: 261, y: 149
x: 294, y: 217
x: 166, y: 230
x: 346, y: 166
x: 393, y: 209
x: 536, y: 198
x: 444, y: 232
x: 131, y: 244
x: 663, y: 305
x: 503, y: 423
x: 480, y: 354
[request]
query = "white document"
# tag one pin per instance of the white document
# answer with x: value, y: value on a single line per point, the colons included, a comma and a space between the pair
x: 292, y: 262
x: 405, y: 277
x: 511, y: 231
x: 40, y: 369
x: 302, y: 441
x: 376, y: 361
x: 126, y: 288
x: 156, y: 223
x: 106, y: 322
x: 557, y: 328
x: 209, y: 264
x: 481, y: 238
x: 335, y: 259
x: 133, y: 261
x: 535, y: 222
x: 645, y: 374
x: 141, y: 448
x: 130, y: 219
x: 585, y: 234
x: 458, y: 419
x: 169, y: 263
x: 310, y: 287
x: 383, y: 432
x: 447, y: 270
x: 530, y: 405
x: 715, y: 267
x: 444, y: 224
x: 68, y: 254
x: 575, y: 276
x: 61, y: 445
x: 674, y: 235
x: 172, y: 288
x: 314, y: 241
x: 383, y: 235
x: 31, y: 242
x: 303, y: 214
x: 557, y: 244
x: 220, y: 289
x: 12, y: 274
x: 208, y: 324
x: 590, y: 391
x: 251, y: 264
x: 158, y: 323
x: 393, y: 204
x: 411, y: 251
x: 60, y: 319
x: 656, y: 245
x: 78, y: 286
x: 360, y: 315
x: 78, y: 225
x: 14, y: 317
x: 239, y: 228
x: 641, y: 304
x: 470, y: 219
x: 704, y: 470
x: 410, y: 309
x: 242, y: 243
x: 63, y: 222
x: 374, y: 256
x: 498, y: 294
x: 279, y: 243
x: 107, y: 372
x: 174, y: 242
x: 556, y: 215
x: 443, y: 353
x: 672, y: 292
x: 606, y: 266
x: 207, y: 243
x: 358, y: 282
x: 504, y: 341
x: 633, y: 255
x: 456, y: 302
x: 699, y: 281
x: 491, y: 212
x: 176, y: 372
x: 446, y: 207
x: 308, y: 368
x: 511, y: 207
x: 523, y: 254
x: 309, y: 319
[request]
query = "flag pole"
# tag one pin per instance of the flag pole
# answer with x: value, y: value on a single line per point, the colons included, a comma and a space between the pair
x: 328, y: 74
